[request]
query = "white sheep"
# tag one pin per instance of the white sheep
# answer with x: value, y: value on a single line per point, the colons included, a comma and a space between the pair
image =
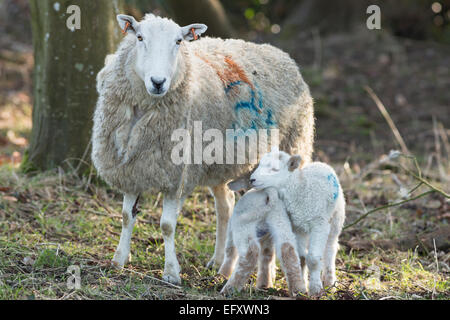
x: 259, y: 225
x: 316, y: 205
x: 158, y: 82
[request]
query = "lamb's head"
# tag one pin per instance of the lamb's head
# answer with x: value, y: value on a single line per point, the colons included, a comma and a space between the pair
x: 255, y: 203
x: 158, y: 41
x: 274, y: 169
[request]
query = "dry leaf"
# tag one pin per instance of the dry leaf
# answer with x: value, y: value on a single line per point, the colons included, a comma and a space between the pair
x: 9, y: 198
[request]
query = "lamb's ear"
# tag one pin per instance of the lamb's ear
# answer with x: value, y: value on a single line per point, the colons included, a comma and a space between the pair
x: 271, y: 196
x: 198, y: 29
x: 294, y: 162
x: 127, y: 23
x: 241, y: 184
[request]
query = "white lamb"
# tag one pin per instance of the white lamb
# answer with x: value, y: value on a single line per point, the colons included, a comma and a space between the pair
x: 158, y: 82
x: 258, y: 224
x: 316, y: 205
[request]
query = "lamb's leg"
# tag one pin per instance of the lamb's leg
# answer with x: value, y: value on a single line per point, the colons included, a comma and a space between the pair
x: 231, y: 255
x: 246, y: 265
x: 266, y: 263
x: 329, y: 272
x: 329, y: 267
x: 290, y: 263
x: 285, y: 245
x: 224, y: 203
x: 317, y: 242
x: 128, y: 220
x: 302, y: 248
x: 171, y: 209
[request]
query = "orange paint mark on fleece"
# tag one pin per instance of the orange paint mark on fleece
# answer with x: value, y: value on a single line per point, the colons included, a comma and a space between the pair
x: 231, y: 73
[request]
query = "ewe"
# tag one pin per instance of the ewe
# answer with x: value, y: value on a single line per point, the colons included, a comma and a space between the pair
x: 316, y: 205
x: 158, y: 82
x: 258, y: 222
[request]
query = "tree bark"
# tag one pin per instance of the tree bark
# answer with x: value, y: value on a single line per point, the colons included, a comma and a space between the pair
x: 209, y: 12
x: 64, y: 80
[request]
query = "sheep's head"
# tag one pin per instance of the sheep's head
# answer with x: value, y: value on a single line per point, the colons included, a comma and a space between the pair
x: 158, y: 41
x: 274, y: 169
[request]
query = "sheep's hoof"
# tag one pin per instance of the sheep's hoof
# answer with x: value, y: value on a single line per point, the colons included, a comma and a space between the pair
x: 117, y: 264
x: 173, y: 279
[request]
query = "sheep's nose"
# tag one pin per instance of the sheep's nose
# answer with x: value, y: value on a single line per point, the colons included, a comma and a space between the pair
x: 252, y: 181
x: 158, y: 83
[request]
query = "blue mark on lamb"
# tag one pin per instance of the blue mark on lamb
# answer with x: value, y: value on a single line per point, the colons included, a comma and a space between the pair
x: 332, y: 178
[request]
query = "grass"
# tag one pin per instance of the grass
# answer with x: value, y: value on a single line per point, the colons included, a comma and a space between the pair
x: 53, y: 221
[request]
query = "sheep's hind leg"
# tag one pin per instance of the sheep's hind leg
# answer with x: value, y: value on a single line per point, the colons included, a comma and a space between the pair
x: 266, y: 263
x: 245, y: 266
x: 317, y: 243
x: 171, y: 209
x: 231, y: 255
x: 129, y: 212
x: 302, y: 248
x: 224, y: 203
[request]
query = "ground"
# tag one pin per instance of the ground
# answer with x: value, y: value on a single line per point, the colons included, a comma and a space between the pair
x: 55, y: 220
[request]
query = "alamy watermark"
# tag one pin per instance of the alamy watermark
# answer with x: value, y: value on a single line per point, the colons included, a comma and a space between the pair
x: 74, y: 280
x: 212, y: 146
x: 374, y: 20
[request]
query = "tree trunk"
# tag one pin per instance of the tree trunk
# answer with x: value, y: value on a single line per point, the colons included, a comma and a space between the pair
x: 209, y: 12
x: 66, y: 65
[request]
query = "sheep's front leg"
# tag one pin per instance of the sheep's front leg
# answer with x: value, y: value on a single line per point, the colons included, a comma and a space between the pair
x: 171, y: 209
x: 128, y: 220
x: 317, y: 243
x: 224, y: 203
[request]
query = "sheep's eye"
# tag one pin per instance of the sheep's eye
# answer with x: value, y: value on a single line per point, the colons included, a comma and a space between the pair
x: 275, y: 169
x: 179, y: 41
x: 140, y: 38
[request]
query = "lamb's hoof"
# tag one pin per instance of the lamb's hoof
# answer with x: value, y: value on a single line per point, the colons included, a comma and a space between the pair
x: 225, y: 271
x: 329, y: 282
x: 173, y: 279
x: 228, y: 290
x: 315, y: 290
x: 264, y: 285
x: 212, y: 264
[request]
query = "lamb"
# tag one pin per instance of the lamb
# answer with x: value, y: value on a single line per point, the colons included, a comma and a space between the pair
x: 158, y: 82
x: 258, y: 222
x: 316, y: 205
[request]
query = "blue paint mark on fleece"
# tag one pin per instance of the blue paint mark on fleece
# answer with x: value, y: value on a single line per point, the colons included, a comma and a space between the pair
x: 332, y: 178
x: 231, y: 85
x: 261, y: 118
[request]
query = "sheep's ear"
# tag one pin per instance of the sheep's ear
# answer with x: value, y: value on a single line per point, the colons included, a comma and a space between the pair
x: 241, y: 184
x: 294, y: 162
x: 197, y: 28
x: 127, y: 23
